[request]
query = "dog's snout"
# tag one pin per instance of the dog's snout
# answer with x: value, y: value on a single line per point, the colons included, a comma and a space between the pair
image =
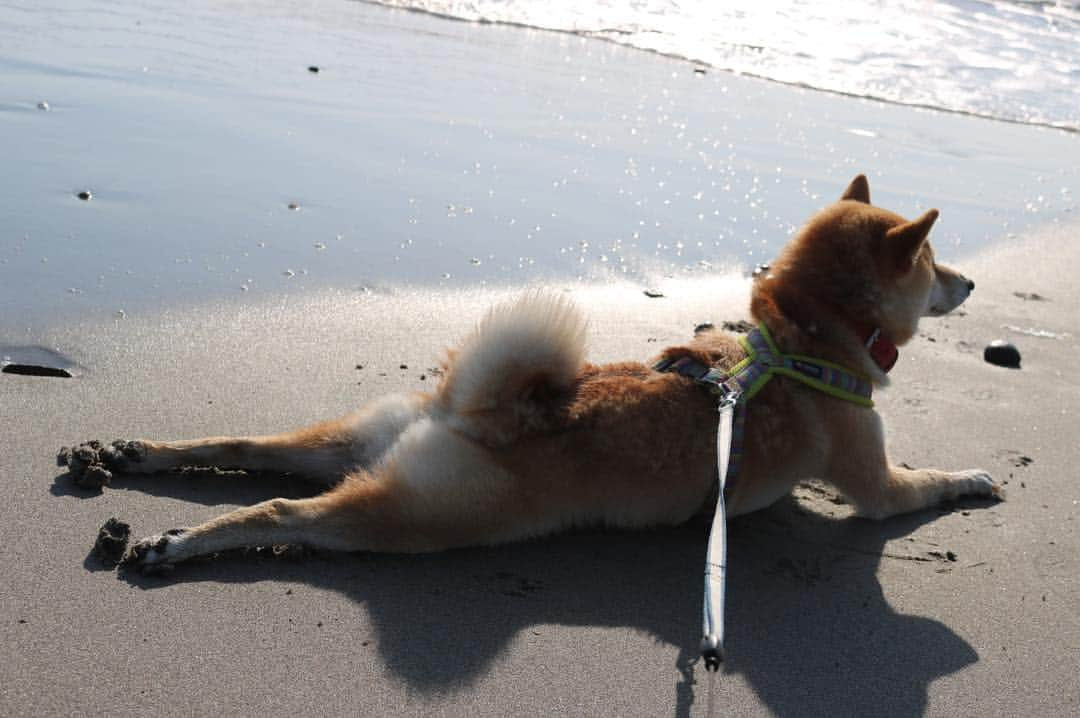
x: 970, y: 284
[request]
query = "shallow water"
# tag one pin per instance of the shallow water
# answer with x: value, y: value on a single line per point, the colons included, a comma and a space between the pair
x: 433, y: 152
x: 1017, y: 60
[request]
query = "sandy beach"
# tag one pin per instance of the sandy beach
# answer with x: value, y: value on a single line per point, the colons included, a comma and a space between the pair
x: 970, y: 609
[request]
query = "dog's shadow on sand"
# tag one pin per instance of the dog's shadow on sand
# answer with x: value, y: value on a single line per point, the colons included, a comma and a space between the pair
x: 808, y: 626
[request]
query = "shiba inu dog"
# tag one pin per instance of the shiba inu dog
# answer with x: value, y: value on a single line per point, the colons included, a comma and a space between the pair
x: 523, y: 437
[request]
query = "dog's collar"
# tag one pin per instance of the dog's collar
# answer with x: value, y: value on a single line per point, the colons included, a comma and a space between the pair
x: 881, y: 349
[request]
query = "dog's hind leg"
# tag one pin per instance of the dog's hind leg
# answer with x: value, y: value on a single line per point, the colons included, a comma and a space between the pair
x: 322, y: 452
x: 356, y: 515
x: 433, y: 490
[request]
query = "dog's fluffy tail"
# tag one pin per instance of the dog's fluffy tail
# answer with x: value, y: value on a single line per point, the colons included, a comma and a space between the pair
x: 500, y: 381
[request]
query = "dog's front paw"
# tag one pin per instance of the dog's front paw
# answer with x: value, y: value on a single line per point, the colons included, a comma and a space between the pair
x: 157, y: 554
x: 978, y: 482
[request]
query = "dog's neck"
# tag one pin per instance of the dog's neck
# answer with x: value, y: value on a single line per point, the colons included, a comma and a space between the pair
x: 859, y: 346
x: 810, y: 326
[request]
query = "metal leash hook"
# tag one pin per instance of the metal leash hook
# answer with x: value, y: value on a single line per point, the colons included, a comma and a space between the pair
x: 712, y: 644
x: 712, y: 652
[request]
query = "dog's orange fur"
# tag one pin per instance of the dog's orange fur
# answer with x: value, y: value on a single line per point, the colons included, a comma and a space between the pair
x: 523, y: 438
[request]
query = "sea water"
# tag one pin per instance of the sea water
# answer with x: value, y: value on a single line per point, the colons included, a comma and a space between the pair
x: 429, y: 151
x: 1016, y: 60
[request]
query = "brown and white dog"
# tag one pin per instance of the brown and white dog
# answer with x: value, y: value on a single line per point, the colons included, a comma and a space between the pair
x: 523, y: 437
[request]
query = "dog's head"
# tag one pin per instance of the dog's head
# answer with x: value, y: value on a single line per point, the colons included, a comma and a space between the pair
x: 855, y: 266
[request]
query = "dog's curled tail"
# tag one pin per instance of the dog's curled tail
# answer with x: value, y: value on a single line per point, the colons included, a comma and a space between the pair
x: 523, y: 353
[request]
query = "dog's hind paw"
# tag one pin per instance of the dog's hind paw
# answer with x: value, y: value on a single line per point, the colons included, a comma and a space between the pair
x: 84, y: 463
x: 92, y: 463
x: 120, y: 454
x: 156, y: 554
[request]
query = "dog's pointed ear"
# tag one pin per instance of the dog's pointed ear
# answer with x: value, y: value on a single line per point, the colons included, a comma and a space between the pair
x: 907, y: 239
x: 858, y: 190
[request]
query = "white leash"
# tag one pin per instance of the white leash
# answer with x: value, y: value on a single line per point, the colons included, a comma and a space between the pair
x: 763, y: 361
x: 712, y: 644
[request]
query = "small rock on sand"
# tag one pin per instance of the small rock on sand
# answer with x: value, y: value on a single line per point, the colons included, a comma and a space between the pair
x: 1002, y: 353
x: 85, y: 195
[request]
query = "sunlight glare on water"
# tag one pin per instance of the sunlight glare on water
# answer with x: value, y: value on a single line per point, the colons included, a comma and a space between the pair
x: 1017, y: 61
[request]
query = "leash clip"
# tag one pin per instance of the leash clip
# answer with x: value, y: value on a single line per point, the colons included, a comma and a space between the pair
x: 727, y: 396
x: 712, y: 652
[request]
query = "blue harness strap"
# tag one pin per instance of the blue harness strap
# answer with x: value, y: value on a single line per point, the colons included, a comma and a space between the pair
x: 733, y: 388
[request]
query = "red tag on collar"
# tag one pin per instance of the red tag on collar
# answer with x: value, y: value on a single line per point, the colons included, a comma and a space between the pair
x: 882, y: 351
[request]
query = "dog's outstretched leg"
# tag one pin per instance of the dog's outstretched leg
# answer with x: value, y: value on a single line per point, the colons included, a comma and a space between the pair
x: 323, y: 452
x: 880, y: 490
x: 433, y: 490
x: 315, y: 522
x: 903, y: 490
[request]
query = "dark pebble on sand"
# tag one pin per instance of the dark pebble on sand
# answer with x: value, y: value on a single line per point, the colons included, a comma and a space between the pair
x: 1002, y: 353
x: 85, y: 195
x: 43, y: 105
x: 294, y: 206
x: 34, y: 370
x: 313, y: 68
x: 653, y: 294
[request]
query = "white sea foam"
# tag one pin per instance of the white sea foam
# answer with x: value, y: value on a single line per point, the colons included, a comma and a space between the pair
x: 1016, y: 60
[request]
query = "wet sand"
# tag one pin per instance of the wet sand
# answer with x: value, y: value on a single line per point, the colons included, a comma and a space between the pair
x: 829, y: 615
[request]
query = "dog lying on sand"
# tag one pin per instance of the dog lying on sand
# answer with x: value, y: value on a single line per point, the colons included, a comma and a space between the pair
x: 523, y: 437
